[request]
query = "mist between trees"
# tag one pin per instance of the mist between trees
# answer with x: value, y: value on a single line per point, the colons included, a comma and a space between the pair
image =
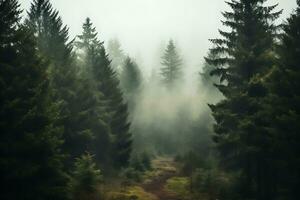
x: 81, y: 119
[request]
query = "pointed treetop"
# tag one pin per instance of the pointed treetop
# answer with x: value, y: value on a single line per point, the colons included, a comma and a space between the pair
x: 89, y: 37
x: 51, y: 33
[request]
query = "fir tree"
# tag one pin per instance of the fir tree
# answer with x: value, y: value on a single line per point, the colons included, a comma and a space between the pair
x: 85, y: 179
x: 31, y: 162
x: 242, y: 56
x: 107, y: 85
x: 77, y: 104
x: 171, y: 71
x: 283, y: 111
x: 91, y: 98
x: 131, y: 80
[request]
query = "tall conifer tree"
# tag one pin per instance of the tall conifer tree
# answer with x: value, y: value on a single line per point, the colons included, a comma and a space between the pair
x: 73, y: 95
x: 171, y: 71
x: 241, y: 57
x: 107, y: 85
x: 30, y: 161
x: 283, y: 111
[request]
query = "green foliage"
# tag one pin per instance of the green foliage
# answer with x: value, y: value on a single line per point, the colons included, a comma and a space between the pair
x: 53, y: 45
x: 282, y: 111
x: 52, y: 35
x: 212, y: 184
x: 130, y: 176
x: 85, y: 179
x: 178, y: 186
x: 240, y: 59
x: 106, y: 85
x: 191, y: 161
x: 171, y: 71
x: 141, y: 162
x: 30, y: 142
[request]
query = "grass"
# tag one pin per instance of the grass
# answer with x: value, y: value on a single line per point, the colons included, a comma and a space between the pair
x: 178, y: 186
x: 131, y: 193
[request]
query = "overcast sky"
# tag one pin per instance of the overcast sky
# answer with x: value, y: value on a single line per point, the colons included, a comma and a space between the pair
x: 143, y: 26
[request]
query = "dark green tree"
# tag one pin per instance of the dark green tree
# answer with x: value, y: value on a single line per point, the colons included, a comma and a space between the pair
x: 283, y: 111
x: 92, y: 99
x: 30, y: 142
x: 241, y: 58
x: 107, y: 84
x: 72, y: 94
x: 171, y: 71
x: 85, y: 179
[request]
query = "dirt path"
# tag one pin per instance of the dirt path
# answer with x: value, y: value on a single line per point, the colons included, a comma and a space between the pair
x: 165, y: 168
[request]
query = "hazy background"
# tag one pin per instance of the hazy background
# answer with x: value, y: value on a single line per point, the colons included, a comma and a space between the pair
x: 144, y: 26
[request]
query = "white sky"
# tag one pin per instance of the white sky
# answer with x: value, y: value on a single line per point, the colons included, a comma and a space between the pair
x: 144, y: 26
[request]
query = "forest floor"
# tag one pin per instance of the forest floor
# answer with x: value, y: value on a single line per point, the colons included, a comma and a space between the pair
x: 164, y: 169
x: 163, y: 182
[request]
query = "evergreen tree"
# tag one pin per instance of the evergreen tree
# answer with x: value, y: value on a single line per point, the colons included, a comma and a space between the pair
x: 107, y: 84
x: 91, y: 98
x: 242, y: 57
x: 171, y: 71
x: 131, y: 80
x: 30, y: 157
x: 283, y: 111
x: 85, y: 179
x: 77, y: 103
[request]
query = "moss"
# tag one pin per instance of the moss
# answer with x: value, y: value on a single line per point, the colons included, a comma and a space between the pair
x: 178, y: 186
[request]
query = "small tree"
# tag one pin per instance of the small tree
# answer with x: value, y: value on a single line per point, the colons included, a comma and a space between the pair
x: 171, y: 71
x: 85, y: 179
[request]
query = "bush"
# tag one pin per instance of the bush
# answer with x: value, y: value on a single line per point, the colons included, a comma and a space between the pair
x: 130, y: 176
x: 141, y: 162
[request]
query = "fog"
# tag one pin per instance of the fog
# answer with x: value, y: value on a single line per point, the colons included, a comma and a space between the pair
x: 144, y: 26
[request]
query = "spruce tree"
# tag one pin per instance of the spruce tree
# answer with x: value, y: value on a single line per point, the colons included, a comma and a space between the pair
x: 241, y: 57
x: 93, y: 100
x: 85, y: 179
x: 171, y: 71
x: 107, y: 85
x: 283, y: 111
x: 30, y: 161
x: 73, y: 95
x: 131, y: 81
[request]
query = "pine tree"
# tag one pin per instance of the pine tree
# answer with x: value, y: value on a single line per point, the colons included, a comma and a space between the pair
x: 30, y: 157
x: 131, y: 80
x: 242, y: 57
x: 283, y: 111
x: 171, y: 71
x: 107, y: 85
x: 77, y: 104
x: 85, y: 179
x: 91, y: 98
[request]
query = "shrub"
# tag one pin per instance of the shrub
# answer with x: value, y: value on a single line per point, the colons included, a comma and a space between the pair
x: 85, y: 179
